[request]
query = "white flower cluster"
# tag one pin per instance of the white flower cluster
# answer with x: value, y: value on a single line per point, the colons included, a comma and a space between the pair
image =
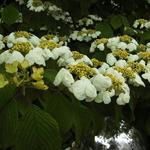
x: 101, y: 87
x: 25, y: 46
x: 124, y: 42
x: 58, y: 14
x: 89, y: 20
x: 87, y: 79
x: 141, y: 23
x: 35, y: 5
x: 85, y: 35
x: 111, y: 79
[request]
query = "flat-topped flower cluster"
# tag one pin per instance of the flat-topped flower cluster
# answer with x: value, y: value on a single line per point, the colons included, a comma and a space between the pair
x: 24, y: 57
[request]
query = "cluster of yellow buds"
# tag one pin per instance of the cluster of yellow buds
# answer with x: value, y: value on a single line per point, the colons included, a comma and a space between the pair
x: 81, y: 69
x: 25, y: 34
x: 116, y: 82
x: 23, y: 47
x: 126, y: 38
x: 122, y: 54
x: 96, y: 63
x: 144, y: 55
x: 77, y: 55
x: 48, y: 44
x: 126, y: 72
x: 137, y: 67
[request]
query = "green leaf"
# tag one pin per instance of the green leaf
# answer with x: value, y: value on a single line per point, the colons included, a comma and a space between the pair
x: 60, y: 108
x: 8, y: 122
x: 145, y: 36
x: 10, y: 14
x: 105, y: 28
x: 125, y: 21
x: 50, y: 75
x: 6, y: 94
x: 37, y: 130
x: 116, y: 21
x: 81, y: 120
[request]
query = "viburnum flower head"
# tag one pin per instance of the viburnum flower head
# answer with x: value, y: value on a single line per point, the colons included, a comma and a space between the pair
x: 83, y: 89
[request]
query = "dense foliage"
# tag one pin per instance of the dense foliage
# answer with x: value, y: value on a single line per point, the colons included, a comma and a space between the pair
x: 66, y: 65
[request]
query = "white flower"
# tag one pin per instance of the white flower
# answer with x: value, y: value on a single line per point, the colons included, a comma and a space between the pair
x: 133, y: 57
x: 103, y: 68
x: 146, y: 76
x: 83, y: 89
x: 101, y: 82
x: 110, y: 59
x: 64, y: 77
x: 47, y: 54
x: 15, y: 56
x: 85, y: 59
x: 113, y: 42
x: 122, y: 45
x: 21, y: 39
x: 121, y: 63
x: 93, y: 47
x: 131, y: 47
x: 104, y: 96
x: 101, y: 47
x: 11, y: 38
x: 62, y: 51
x: 4, y: 56
x: 123, y: 98
x: 137, y: 81
x: 64, y: 62
x: 36, y: 56
x: 2, y: 45
x: 34, y: 40
x: 38, y: 8
x: 136, y: 24
x: 147, y: 24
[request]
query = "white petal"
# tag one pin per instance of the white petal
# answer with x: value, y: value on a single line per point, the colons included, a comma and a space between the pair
x: 111, y: 59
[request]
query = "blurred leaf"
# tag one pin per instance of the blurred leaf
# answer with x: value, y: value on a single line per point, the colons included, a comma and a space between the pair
x: 145, y: 36
x: 125, y: 21
x: 60, y: 108
x: 37, y: 130
x: 6, y: 94
x: 10, y: 14
x: 105, y: 28
x: 116, y: 21
x: 82, y: 119
x: 147, y: 126
x: 8, y: 122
